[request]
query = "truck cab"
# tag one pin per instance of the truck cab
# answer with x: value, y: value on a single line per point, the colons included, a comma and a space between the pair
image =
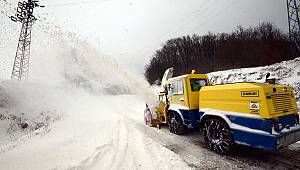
x: 183, y: 95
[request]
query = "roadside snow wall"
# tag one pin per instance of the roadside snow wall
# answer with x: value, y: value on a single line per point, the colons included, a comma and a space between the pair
x: 287, y: 72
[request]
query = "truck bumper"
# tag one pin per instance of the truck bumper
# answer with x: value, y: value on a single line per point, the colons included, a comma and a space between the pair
x: 287, y: 138
x: 267, y: 141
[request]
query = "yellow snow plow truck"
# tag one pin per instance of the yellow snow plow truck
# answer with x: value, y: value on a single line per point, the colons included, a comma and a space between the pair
x: 261, y: 115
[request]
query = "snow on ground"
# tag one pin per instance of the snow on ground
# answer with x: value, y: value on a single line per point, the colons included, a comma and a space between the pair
x: 93, y: 134
x: 26, y: 107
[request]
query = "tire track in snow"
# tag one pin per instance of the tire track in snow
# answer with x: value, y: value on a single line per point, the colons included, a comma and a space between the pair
x: 187, y: 147
x: 129, y: 149
x: 148, y: 153
x: 126, y: 147
x: 194, y: 156
x: 112, y: 155
x: 100, y: 151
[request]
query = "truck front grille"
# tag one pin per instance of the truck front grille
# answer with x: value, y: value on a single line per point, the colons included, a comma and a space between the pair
x: 282, y: 103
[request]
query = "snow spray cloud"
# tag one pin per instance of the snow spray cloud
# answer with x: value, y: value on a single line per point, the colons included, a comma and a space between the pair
x: 65, y: 60
x: 61, y: 59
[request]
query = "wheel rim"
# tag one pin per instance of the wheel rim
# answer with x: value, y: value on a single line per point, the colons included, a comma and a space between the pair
x: 218, y: 136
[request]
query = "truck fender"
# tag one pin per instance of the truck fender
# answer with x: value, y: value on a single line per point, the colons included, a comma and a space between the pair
x: 215, y: 113
x: 176, y: 108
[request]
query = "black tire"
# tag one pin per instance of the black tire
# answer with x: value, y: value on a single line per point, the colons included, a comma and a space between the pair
x: 217, y: 135
x: 175, y: 123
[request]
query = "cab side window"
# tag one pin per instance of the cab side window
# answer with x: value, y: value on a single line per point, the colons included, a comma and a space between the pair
x: 174, y: 87
x: 180, y: 87
x: 177, y: 87
x: 196, y: 83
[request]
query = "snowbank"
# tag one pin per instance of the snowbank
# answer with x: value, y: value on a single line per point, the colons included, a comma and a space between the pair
x: 26, y: 107
x: 287, y: 72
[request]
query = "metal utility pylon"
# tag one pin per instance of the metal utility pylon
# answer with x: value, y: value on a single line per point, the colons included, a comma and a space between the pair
x: 25, y: 16
x: 293, y: 7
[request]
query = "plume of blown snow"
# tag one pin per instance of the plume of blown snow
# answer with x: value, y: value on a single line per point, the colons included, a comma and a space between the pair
x: 61, y: 58
x: 62, y: 68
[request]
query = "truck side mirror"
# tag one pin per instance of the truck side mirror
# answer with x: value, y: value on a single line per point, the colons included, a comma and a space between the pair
x: 268, y: 75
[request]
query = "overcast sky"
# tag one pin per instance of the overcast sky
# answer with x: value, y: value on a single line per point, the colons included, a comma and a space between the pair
x: 131, y: 30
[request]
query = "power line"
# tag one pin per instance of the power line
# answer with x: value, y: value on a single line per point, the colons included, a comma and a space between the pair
x: 206, y: 21
x: 191, y: 16
x: 3, y: 7
x: 75, y: 3
x: 216, y: 15
x: 6, y: 10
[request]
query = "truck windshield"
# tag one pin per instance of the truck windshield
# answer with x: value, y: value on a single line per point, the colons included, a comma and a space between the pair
x: 197, y: 83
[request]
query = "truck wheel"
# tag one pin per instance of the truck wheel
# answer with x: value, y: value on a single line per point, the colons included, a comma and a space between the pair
x: 217, y: 135
x: 175, y: 123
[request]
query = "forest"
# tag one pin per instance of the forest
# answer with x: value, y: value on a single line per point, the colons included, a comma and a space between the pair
x: 262, y: 45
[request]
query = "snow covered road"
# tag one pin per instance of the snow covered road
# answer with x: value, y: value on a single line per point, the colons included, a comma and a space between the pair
x: 93, y: 135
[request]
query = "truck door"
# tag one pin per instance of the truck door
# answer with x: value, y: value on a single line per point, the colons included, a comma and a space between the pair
x: 179, y: 99
x: 177, y: 95
x: 195, y: 86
